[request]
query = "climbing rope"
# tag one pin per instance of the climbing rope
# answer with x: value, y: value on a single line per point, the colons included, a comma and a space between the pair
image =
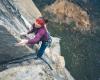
x: 22, y: 59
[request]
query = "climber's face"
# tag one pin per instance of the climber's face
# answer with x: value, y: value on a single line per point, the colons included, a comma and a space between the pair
x: 37, y: 25
x: 39, y: 22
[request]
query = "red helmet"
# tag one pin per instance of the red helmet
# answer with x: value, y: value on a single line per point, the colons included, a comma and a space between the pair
x: 40, y: 21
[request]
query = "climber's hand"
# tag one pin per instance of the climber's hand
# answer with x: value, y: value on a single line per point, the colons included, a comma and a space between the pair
x: 22, y: 42
x: 23, y: 34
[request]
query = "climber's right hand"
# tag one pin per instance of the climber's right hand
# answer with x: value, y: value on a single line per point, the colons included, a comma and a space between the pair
x: 23, y: 34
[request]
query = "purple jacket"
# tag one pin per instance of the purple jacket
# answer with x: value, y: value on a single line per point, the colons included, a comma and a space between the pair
x: 40, y: 35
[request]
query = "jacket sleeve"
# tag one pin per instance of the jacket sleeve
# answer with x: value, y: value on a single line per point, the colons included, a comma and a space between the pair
x: 31, y: 30
x: 37, y: 37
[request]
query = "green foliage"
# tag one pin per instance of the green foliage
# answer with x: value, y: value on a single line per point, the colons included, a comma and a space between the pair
x: 72, y: 24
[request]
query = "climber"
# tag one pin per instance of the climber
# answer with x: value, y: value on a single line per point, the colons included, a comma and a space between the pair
x: 41, y: 34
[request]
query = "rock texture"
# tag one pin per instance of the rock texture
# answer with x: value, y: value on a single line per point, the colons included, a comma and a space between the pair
x: 15, y: 17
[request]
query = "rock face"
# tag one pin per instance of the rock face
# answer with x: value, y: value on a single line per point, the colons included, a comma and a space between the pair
x: 28, y: 9
x: 15, y: 17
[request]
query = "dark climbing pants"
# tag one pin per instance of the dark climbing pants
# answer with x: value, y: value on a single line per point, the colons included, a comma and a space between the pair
x: 42, y: 49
